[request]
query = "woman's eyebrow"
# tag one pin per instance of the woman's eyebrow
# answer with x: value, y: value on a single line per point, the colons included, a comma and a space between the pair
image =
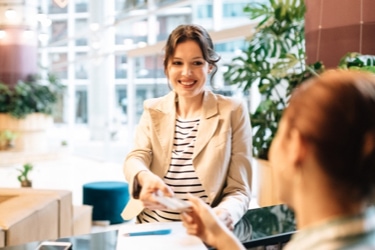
x: 194, y: 58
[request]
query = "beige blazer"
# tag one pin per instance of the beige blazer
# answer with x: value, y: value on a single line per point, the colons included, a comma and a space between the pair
x: 222, y: 152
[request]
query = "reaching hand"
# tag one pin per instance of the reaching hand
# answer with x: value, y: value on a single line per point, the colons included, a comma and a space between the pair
x: 151, y: 184
x: 203, y: 222
x: 225, y: 217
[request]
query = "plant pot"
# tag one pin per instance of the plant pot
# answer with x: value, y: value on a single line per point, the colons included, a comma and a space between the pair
x: 26, y: 183
x: 264, y: 187
x: 31, y: 131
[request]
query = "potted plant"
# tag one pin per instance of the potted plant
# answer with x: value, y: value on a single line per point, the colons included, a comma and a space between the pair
x: 274, y: 61
x: 7, y: 139
x: 274, y: 52
x: 23, y: 176
x: 37, y: 95
x: 273, y: 57
x: 27, y: 108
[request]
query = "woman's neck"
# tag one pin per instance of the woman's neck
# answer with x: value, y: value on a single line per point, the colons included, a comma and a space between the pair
x: 189, y: 107
x: 322, y: 204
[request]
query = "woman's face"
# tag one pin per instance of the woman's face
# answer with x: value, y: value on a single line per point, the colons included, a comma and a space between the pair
x: 280, y: 157
x: 187, y: 70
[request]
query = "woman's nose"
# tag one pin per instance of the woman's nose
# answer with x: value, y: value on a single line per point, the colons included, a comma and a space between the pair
x: 186, y: 71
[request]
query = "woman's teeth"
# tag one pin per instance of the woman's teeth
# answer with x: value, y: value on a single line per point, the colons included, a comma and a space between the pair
x: 187, y: 83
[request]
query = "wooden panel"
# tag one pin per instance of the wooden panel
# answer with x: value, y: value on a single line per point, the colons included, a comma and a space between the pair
x: 335, y: 27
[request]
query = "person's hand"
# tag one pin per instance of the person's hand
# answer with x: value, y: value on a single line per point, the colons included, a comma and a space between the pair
x: 151, y: 184
x: 202, y: 221
x: 225, y: 217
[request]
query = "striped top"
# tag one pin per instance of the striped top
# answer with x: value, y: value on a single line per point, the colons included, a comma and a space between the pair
x: 181, y: 175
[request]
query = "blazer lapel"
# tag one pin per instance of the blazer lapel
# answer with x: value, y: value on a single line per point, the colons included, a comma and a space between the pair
x: 208, y: 123
x: 163, y: 118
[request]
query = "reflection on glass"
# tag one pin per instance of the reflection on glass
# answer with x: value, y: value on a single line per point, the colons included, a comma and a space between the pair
x: 168, y: 23
x: 130, y: 34
x: 81, y: 5
x: 59, y: 31
x: 161, y: 3
x: 234, y: 9
x: 265, y: 222
x: 53, y: 8
x: 81, y: 28
x: 59, y: 64
x: 81, y: 106
x: 81, y: 66
x: 121, y: 66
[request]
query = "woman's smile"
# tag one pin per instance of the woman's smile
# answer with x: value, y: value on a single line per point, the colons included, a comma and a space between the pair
x: 187, y: 70
x: 187, y: 83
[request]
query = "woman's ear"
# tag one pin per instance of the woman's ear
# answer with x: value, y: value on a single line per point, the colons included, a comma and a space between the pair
x: 297, y: 148
x: 210, y: 67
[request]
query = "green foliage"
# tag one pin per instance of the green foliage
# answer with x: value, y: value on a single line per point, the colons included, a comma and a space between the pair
x: 24, y: 172
x: 353, y: 60
x: 35, y: 95
x: 275, y: 55
x: 274, y: 60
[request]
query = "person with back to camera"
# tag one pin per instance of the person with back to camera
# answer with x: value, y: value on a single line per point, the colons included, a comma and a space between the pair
x: 323, y: 156
x: 191, y: 140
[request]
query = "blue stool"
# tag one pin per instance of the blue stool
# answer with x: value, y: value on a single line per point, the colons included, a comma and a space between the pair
x: 108, y: 199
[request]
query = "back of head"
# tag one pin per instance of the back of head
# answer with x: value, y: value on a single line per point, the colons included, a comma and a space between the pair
x: 335, y: 113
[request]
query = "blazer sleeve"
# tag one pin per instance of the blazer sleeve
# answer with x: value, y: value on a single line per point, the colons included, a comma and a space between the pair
x: 139, y: 159
x: 237, y: 190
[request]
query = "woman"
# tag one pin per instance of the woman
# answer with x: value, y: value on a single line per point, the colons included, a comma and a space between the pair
x: 191, y: 140
x: 324, y: 161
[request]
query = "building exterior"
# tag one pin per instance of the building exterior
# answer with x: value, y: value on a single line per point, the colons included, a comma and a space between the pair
x: 109, y: 53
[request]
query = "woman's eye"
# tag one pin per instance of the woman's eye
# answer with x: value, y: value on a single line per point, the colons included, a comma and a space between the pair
x: 176, y: 63
x: 198, y: 63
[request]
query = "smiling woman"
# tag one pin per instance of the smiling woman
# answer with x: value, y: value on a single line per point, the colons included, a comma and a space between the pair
x: 191, y: 140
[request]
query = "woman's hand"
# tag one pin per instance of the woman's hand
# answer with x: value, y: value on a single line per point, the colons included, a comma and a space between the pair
x: 225, y: 217
x: 203, y: 222
x: 151, y: 184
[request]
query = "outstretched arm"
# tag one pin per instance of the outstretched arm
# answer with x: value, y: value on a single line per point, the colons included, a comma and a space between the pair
x: 204, y: 223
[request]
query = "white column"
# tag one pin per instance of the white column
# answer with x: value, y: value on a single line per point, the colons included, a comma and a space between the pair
x: 70, y: 105
x: 101, y: 74
x: 152, y: 24
x: 131, y: 94
x: 217, y: 6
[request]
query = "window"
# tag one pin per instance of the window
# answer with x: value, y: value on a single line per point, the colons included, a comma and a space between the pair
x: 233, y: 9
x: 204, y: 11
x: 59, y: 31
x: 81, y: 5
x: 81, y: 28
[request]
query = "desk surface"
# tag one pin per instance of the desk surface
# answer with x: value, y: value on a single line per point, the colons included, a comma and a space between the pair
x: 258, y: 227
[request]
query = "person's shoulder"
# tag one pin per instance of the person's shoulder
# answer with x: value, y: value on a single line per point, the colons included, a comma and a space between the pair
x: 158, y: 102
x: 232, y: 101
x: 153, y: 102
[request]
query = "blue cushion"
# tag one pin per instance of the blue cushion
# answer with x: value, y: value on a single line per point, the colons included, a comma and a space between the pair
x: 108, y: 199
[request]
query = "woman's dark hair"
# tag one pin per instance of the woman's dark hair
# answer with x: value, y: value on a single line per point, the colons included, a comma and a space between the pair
x: 335, y: 113
x: 192, y: 32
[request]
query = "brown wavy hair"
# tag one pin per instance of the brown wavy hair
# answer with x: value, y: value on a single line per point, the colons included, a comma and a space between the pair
x: 335, y: 113
x: 192, y: 32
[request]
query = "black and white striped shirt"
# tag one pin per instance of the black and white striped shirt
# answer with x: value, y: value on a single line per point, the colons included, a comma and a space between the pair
x: 181, y: 175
